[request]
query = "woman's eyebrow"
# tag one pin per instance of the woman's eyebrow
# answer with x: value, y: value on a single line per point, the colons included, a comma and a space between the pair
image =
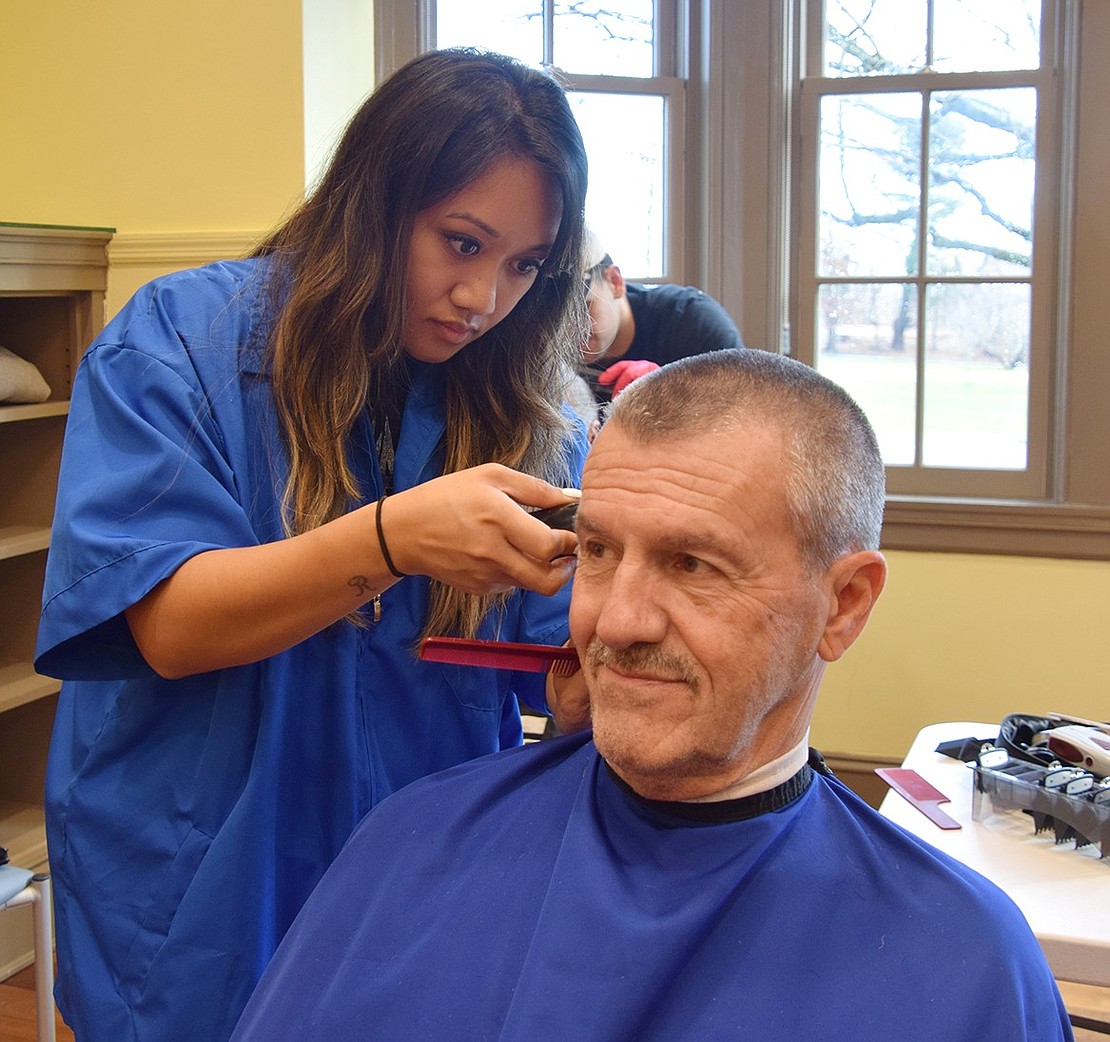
x: 492, y: 232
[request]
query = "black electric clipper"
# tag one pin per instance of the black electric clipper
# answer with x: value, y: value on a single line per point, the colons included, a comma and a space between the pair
x: 558, y: 517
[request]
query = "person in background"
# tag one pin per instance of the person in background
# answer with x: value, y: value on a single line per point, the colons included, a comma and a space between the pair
x: 635, y: 328
x: 279, y: 474
x: 691, y: 871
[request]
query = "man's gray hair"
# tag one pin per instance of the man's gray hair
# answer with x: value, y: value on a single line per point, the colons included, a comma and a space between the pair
x: 836, y: 485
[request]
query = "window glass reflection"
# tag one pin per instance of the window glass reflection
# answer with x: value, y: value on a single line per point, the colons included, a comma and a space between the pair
x: 624, y: 135
x: 986, y: 35
x: 889, y: 37
x: 976, y: 376
x: 868, y: 344
x: 870, y: 184
x: 606, y: 37
x: 874, y: 37
x: 513, y: 27
x: 981, y: 180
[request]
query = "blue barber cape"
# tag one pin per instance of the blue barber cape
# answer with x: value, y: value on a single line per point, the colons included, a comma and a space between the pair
x: 530, y: 897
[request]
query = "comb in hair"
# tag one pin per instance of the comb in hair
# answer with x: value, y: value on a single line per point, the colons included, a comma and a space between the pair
x: 501, y: 654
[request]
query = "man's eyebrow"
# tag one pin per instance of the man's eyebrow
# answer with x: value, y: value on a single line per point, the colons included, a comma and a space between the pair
x: 694, y: 542
x: 688, y: 542
x: 583, y: 523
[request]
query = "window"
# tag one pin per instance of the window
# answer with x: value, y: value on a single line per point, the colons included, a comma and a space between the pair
x: 619, y: 61
x: 925, y: 254
x: 968, y: 310
x: 945, y: 244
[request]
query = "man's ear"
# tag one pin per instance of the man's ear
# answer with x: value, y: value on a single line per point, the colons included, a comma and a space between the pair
x: 613, y: 276
x: 855, y: 582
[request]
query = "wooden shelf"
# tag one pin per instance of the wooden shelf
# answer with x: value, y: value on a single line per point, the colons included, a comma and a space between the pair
x: 20, y: 684
x: 23, y: 834
x: 16, y: 540
x: 37, y: 411
x: 52, y: 286
x: 50, y: 260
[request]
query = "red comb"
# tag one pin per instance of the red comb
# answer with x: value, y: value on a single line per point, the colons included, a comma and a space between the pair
x: 501, y: 654
x: 916, y: 790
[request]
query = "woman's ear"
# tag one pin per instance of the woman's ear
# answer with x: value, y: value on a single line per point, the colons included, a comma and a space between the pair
x: 855, y: 582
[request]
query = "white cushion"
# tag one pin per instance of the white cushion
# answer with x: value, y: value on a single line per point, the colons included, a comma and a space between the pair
x: 20, y: 381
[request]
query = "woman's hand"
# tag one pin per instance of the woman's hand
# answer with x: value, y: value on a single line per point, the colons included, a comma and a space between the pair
x: 468, y: 530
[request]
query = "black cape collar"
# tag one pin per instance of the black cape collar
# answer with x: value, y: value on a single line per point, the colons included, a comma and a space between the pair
x: 722, y: 812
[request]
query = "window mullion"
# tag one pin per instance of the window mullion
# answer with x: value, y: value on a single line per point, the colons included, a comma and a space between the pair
x: 921, y: 280
x: 549, y: 32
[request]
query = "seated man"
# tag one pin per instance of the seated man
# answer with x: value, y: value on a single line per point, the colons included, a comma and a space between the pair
x: 635, y: 328
x: 690, y: 870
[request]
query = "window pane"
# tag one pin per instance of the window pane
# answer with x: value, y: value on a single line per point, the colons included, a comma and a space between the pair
x: 874, y: 37
x: 976, y: 376
x: 513, y: 27
x: 606, y: 37
x: 887, y: 37
x: 867, y: 343
x: 923, y: 279
x: 624, y: 135
x: 986, y: 35
x: 869, y: 187
x: 982, y: 167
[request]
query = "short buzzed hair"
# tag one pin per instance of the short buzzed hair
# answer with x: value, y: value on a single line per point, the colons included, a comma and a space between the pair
x: 836, y: 487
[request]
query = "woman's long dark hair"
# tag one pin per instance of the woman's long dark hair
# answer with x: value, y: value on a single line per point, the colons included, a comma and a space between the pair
x: 428, y: 131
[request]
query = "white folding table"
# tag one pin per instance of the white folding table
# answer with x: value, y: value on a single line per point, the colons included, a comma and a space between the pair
x: 1064, y: 891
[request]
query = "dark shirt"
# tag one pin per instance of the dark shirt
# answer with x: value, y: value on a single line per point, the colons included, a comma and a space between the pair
x: 672, y: 322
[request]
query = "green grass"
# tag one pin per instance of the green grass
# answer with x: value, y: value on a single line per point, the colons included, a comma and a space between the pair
x: 975, y: 412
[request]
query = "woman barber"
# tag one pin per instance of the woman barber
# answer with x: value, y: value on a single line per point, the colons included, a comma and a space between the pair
x: 279, y: 473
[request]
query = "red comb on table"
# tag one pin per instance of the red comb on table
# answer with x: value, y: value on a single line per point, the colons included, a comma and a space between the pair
x: 917, y: 791
x: 500, y: 654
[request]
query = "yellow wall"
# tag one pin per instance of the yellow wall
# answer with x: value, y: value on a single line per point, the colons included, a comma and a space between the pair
x: 179, y: 125
x: 151, y: 117
x: 159, y: 119
x: 959, y: 637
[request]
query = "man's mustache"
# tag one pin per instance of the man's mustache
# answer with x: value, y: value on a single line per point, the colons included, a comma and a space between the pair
x: 641, y: 658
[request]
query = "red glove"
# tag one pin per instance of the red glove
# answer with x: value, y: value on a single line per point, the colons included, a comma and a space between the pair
x: 621, y: 374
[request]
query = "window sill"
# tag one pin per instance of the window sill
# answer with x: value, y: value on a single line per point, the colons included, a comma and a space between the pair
x: 981, y: 527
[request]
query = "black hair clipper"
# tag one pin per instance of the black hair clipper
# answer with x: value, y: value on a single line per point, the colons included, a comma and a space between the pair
x: 558, y: 517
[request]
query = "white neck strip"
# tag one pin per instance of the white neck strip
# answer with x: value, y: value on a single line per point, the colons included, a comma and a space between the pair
x: 763, y: 778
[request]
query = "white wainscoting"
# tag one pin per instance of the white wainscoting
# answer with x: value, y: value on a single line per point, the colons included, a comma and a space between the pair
x: 136, y: 258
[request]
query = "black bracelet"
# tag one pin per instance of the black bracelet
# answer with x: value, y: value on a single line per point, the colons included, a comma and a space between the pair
x: 381, y: 541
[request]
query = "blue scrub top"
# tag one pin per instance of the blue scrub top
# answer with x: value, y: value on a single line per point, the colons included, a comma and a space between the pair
x: 188, y: 820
